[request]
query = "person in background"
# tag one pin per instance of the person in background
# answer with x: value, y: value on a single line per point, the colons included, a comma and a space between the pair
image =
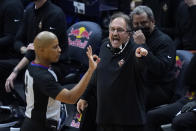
x: 165, y: 12
x: 43, y: 16
x: 184, y: 107
x: 185, y: 37
x: 135, y: 3
x: 159, y: 74
x: 185, y: 119
x: 121, y: 6
x: 11, y: 14
x: 25, y: 2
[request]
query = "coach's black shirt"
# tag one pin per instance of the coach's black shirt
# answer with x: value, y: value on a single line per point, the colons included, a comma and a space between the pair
x: 11, y: 13
x: 41, y: 89
x: 49, y: 17
x: 119, y: 87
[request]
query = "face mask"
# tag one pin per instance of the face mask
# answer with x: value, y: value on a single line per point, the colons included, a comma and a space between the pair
x: 145, y: 31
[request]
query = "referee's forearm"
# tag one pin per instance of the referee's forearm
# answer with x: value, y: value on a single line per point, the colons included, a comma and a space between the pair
x: 79, y: 89
x: 71, y: 96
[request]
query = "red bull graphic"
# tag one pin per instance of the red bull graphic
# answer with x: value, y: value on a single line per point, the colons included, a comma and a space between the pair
x: 179, y: 63
x: 81, y: 37
x: 178, y: 66
x: 76, y: 121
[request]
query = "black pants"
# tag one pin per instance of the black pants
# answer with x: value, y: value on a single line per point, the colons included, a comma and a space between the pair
x: 30, y: 125
x: 120, y: 128
x: 88, y: 122
x: 157, y: 95
x: 163, y: 114
x: 185, y: 122
x: 6, y: 67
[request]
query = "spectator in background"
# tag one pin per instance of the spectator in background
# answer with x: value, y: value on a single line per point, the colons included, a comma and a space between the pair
x: 122, y: 6
x: 164, y: 13
x: 186, y: 119
x: 185, y: 37
x: 167, y: 113
x: 117, y: 81
x: 25, y: 2
x: 11, y: 13
x: 43, y: 16
x: 135, y: 3
x: 159, y: 78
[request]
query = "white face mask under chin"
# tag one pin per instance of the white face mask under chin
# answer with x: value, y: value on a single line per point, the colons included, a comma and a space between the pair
x: 121, y: 48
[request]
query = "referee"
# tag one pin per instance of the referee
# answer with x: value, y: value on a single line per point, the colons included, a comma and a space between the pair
x: 43, y: 92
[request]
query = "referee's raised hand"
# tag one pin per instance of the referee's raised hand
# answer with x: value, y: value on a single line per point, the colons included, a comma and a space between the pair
x: 93, y: 59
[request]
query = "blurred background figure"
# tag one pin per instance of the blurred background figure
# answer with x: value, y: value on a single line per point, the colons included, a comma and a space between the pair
x: 185, y: 31
x: 165, y: 14
x: 135, y: 3
x: 11, y: 13
x: 123, y: 6
x: 159, y: 80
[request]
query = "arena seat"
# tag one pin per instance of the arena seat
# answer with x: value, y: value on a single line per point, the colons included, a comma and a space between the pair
x: 80, y: 36
x: 183, y: 58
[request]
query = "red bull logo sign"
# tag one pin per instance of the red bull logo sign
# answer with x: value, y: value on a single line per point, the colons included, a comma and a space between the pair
x: 81, y: 37
x: 178, y: 66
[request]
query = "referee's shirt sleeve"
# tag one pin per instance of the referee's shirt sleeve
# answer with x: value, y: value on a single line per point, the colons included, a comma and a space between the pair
x: 49, y: 86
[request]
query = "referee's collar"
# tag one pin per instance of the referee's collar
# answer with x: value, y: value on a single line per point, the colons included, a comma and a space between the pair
x: 39, y: 65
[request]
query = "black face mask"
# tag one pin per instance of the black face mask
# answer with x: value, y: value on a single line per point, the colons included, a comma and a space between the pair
x: 145, y: 31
